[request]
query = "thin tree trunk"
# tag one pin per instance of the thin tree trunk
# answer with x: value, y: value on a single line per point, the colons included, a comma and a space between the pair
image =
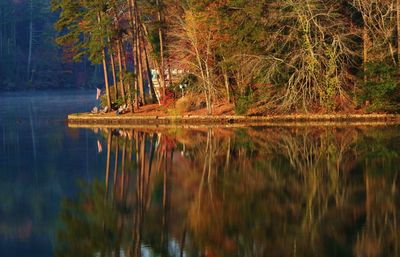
x: 170, y: 76
x: 139, y: 57
x: 398, y: 31
x: 135, y: 64
x: 160, y: 78
x: 160, y: 35
x: 132, y: 6
x: 30, y: 41
x: 227, y: 86
x: 121, y: 70
x: 148, y: 73
x: 114, y: 75
x: 104, y: 57
x: 365, y: 49
x: 1, y: 32
x: 103, y: 52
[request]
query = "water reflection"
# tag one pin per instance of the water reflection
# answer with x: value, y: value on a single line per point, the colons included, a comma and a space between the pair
x: 239, y: 192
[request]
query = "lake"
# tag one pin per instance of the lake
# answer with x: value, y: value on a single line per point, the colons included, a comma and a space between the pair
x: 301, y: 190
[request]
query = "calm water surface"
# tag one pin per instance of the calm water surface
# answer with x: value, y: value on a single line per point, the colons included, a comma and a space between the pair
x: 261, y: 191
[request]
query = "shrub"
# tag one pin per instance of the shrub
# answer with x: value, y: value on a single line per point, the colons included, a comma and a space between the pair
x: 381, y: 89
x: 244, y: 102
x: 188, y: 103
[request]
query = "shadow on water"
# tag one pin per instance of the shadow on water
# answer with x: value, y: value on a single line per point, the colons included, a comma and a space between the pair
x: 239, y: 192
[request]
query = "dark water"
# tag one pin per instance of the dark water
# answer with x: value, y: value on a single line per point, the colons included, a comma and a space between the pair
x: 261, y: 191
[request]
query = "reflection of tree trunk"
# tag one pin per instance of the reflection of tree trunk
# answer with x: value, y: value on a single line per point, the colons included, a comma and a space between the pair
x: 151, y: 159
x: 204, y: 173
x: 228, y: 155
x: 108, y: 158
x: 123, y: 170
x: 210, y: 162
x: 367, y: 195
x: 33, y: 135
x: 183, y: 241
x: 116, y: 166
x: 165, y: 234
x: 138, y: 213
x: 143, y: 168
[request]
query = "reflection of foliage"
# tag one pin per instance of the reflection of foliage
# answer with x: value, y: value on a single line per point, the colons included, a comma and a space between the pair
x: 90, y: 224
x: 254, y: 192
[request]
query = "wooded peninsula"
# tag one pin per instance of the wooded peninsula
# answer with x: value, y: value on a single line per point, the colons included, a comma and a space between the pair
x: 258, y: 56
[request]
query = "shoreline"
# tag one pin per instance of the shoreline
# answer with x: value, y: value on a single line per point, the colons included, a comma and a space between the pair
x: 88, y: 119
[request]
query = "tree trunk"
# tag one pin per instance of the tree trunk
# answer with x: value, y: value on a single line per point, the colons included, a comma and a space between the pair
x: 227, y: 86
x: 30, y: 42
x: 161, y: 79
x: 103, y: 53
x: 365, y: 38
x: 131, y: 6
x: 1, y: 31
x: 162, y: 67
x: 104, y: 57
x: 121, y: 71
x: 139, y: 58
x: 148, y: 74
x: 114, y: 75
x: 398, y: 31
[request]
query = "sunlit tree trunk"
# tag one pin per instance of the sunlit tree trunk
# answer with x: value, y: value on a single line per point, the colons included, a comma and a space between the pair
x: 365, y: 38
x: 104, y: 60
x: 114, y: 75
x: 139, y: 56
x: 398, y: 31
x: 227, y: 86
x: 161, y: 38
x: 148, y: 73
x: 121, y: 71
x: 135, y: 63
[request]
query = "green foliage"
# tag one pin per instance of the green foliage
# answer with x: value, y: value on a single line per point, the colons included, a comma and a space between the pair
x: 381, y: 90
x: 84, y: 28
x: 244, y: 102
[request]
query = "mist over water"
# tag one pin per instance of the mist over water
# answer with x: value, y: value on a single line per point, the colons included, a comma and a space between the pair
x: 259, y: 191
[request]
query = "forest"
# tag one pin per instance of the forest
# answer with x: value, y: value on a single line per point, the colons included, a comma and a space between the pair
x: 262, y: 56
x: 29, y: 57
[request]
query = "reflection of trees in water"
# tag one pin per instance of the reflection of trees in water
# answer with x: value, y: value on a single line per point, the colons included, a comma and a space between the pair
x: 255, y: 192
